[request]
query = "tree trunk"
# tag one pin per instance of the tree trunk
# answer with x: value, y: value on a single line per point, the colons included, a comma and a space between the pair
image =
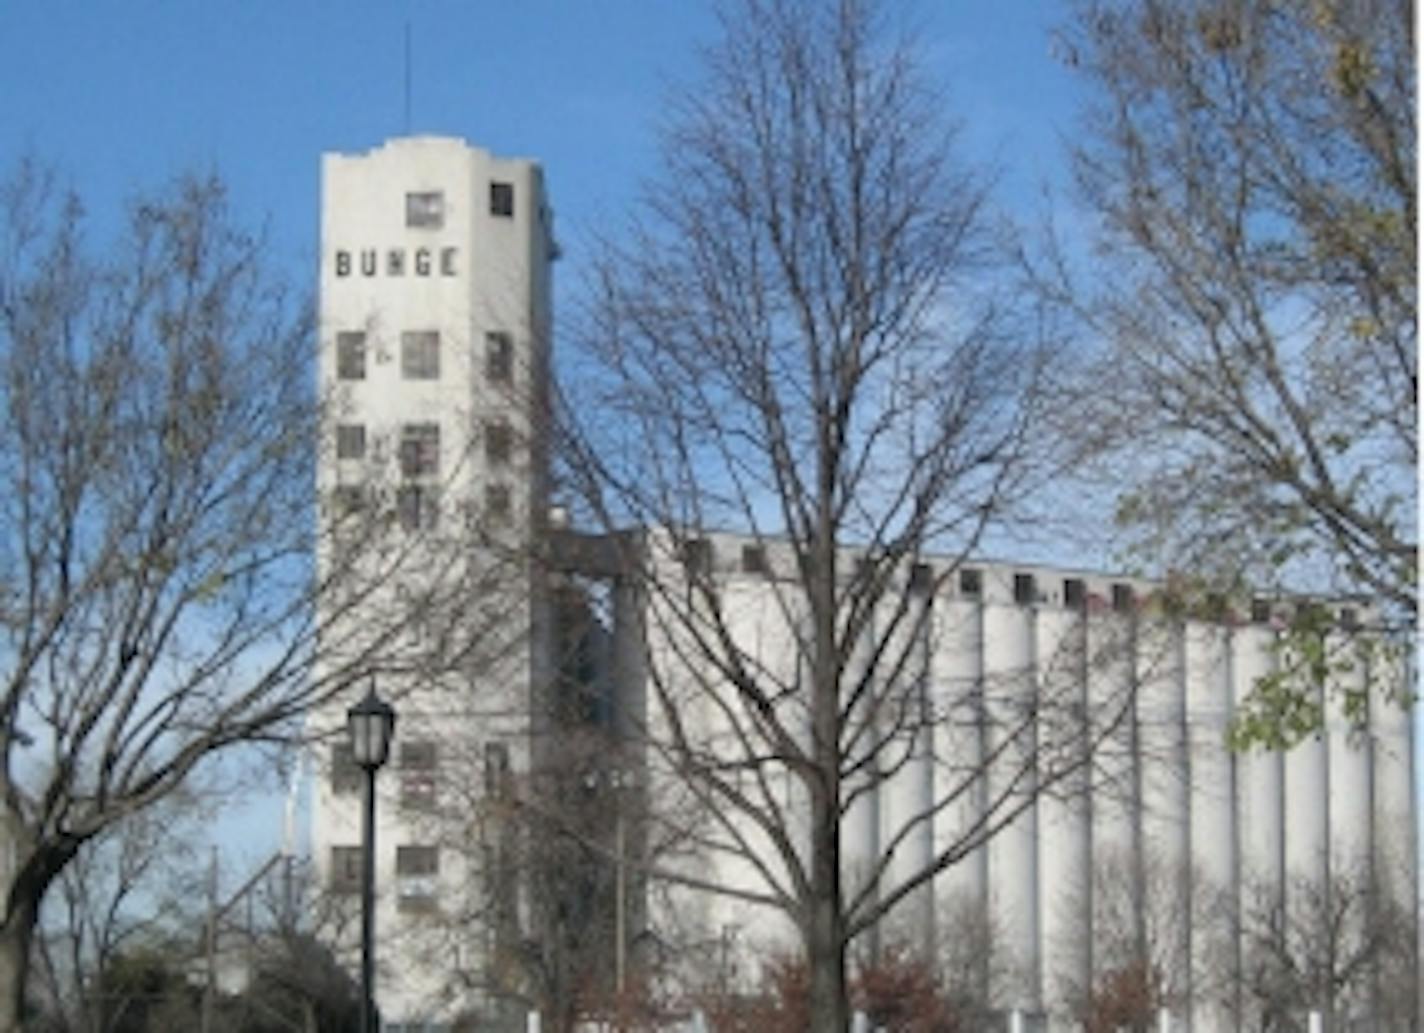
x: 828, y: 1008
x: 16, y: 934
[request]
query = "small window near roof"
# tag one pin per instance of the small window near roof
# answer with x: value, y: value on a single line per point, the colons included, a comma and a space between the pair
x: 502, y: 199
x: 921, y: 577
x: 754, y: 559
x: 1075, y: 594
x: 971, y: 582
x: 1260, y: 611
x: 697, y: 555
x: 1122, y: 597
x: 425, y: 210
x: 1025, y: 591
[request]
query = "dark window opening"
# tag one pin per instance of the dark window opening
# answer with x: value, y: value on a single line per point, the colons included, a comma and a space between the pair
x: 417, y: 507
x: 419, y: 449
x: 420, y: 355
x: 502, y: 199
x: 348, y: 500
x: 1123, y: 598
x: 971, y: 582
x: 351, y: 355
x: 499, y: 444
x: 346, y: 869
x: 499, y: 357
x: 697, y: 555
x: 922, y: 577
x: 351, y: 441
x: 499, y: 506
x: 345, y: 774
x: 1260, y: 611
x: 1075, y: 594
x: 754, y: 559
x: 497, y: 773
x: 1025, y: 591
x: 425, y: 210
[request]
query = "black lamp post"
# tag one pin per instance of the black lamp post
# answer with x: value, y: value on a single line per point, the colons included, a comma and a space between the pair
x: 370, y: 724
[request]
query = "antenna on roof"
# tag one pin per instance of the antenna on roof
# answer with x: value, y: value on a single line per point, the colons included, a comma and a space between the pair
x: 407, y: 76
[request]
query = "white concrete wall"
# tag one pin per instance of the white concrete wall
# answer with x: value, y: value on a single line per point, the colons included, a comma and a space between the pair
x: 1168, y: 799
x: 477, y: 272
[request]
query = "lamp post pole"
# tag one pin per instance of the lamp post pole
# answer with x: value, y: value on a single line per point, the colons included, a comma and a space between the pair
x: 369, y: 724
x: 368, y: 902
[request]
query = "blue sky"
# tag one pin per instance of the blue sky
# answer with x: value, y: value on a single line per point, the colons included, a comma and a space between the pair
x: 123, y: 95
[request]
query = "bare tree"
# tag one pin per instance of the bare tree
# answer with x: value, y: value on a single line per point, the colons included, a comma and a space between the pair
x: 1342, y: 946
x: 131, y: 884
x: 1248, y: 310
x: 805, y: 342
x: 158, y: 595
x: 1147, y: 911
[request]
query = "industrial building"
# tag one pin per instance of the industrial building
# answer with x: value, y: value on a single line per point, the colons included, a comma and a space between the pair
x: 1080, y: 718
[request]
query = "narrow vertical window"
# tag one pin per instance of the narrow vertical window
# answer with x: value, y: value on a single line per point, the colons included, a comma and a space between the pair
x: 419, y: 449
x: 499, y: 444
x: 499, y: 357
x: 502, y: 199
x: 420, y: 355
x: 499, y: 506
x: 351, y: 355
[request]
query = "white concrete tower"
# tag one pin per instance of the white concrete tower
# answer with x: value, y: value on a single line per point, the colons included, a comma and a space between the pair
x: 434, y: 365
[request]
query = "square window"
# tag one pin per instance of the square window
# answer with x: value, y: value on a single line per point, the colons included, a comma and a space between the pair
x: 921, y: 577
x: 499, y: 444
x: 1123, y: 598
x: 499, y: 506
x: 754, y: 559
x: 971, y: 582
x: 417, y: 507
x: 697, y: 556
x: 420, y: 449
x: 351, y: 441
x: 1025, y: 591
x: 348, y: 500
x: 425, y: 210
x: 420, y: 355
x: 345, y: 775
x: 351, y: 355
x: 346, y: 869
x: 1261, y: 611
x: 502, y: 199
x: 499, y: 357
